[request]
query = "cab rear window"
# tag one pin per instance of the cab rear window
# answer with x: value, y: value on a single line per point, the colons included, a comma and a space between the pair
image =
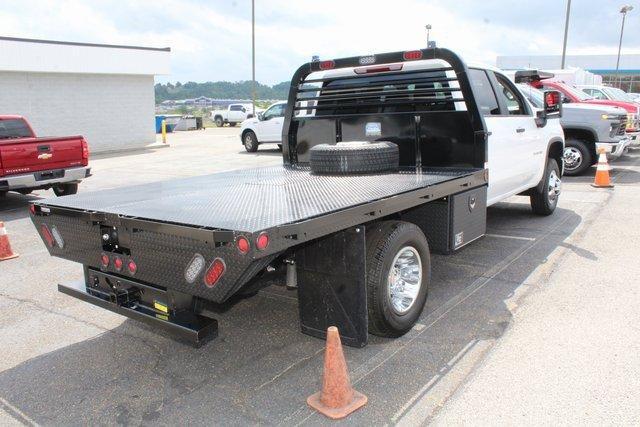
x: 14, y: 128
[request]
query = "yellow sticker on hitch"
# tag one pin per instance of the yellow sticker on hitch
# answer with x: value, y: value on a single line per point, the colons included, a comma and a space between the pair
x: 160, y: 306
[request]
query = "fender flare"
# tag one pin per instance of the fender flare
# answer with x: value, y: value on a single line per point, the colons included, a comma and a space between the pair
x: 552, y: 147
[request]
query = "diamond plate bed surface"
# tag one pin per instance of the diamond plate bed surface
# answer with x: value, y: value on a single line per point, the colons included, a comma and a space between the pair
x: 252, y: 199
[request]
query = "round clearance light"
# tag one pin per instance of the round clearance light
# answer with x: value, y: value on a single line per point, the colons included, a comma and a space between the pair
x: 132, y: 266
x: 243, y: 244
x: 194, y: 268
x: 104, y: 260
x: 262, y: 241
x: 117, y: 263
x: 214, y: 273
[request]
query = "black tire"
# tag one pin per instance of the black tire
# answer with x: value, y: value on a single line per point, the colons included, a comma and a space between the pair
x: 385, y: 240
x: 544, y: 202
x: 250, y: 141
x: 577, y: 157
x: 354, y: 157
x: 65, y: 189
x: 232, y: 124
x: 219, y: 122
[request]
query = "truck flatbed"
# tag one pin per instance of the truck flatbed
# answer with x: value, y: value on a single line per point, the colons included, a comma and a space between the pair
x: 252, y: 200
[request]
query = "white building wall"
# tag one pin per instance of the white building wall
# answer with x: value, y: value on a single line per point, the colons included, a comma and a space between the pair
x: 112, y: 111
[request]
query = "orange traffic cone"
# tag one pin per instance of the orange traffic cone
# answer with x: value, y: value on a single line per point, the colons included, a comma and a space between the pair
x: 337, y: 399
x: 5, y: 247
x: 602, y: 172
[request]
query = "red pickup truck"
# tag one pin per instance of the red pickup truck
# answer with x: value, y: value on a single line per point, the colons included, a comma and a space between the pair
x: 29, y: 163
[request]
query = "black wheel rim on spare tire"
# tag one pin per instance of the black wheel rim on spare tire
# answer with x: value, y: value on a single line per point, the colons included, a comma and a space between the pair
x: 354, y: 157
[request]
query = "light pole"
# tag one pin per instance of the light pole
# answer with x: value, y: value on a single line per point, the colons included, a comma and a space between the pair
x: 623, y: 11
x: 566, y: 32
x: 428, y: 27
x: 253, y: 56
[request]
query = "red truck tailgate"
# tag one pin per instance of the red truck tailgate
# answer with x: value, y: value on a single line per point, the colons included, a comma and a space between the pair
x: 26, y: 155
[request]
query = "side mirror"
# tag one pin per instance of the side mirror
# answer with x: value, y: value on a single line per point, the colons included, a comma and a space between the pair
x: 244, y: 110
x: 566, y: 100
x: 552, y: 108
x: 260, y: 117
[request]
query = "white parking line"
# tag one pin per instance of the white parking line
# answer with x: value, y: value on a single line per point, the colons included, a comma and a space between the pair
x: 504, y: 236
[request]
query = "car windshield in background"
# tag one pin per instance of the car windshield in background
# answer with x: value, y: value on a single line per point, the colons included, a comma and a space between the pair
x: 533, y: 95
x: 582, y: 96
x: 14, y: 128
x: 618, y: 94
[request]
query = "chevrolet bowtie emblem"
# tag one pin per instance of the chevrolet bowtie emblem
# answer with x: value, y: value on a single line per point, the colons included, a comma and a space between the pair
x: 45, y: 156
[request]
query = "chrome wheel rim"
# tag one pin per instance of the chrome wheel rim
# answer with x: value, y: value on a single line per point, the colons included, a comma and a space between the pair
x: 554, y: 186
x: 404, y: 280
x: 572, y: 158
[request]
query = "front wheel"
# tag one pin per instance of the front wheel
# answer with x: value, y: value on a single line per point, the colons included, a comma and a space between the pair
x: 65, y: 189
x: 577, y: 157
x: 219, y: 122
x: 250, y: 142
x: 398, y: 275
x: 544, y: 202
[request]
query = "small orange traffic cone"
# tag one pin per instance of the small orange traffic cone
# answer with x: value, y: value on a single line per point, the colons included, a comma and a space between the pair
x: 602, y: 179
x: 5, y: 248
x: 337, y: 398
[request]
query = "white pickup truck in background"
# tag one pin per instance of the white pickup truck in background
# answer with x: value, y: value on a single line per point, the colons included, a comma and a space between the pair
x: 234, y: 114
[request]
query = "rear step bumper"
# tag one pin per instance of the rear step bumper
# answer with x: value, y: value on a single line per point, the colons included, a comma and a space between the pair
x: 44, y: 178
x: 185, y: 326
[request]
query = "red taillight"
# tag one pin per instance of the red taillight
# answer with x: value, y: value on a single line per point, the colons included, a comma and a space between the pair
x: 536, y: 83
x: 243, y: 244
x: 327, y: 65
x: 117, y: 263
x: 85, y: 153
x: 104, y: 260
x: 132, y: 266
x: 412, y: 55
x: 32, y: 209
x: 378, y: 69
x: 46, y: 233
x: 215, y: 271
x: 262, y: 241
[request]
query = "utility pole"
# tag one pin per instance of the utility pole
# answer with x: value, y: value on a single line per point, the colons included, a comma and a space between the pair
x: 253, y: 56
x: 566, y: 33
x: 623, y: 11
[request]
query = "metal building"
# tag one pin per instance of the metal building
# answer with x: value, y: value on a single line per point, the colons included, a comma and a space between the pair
x: 103, y: 92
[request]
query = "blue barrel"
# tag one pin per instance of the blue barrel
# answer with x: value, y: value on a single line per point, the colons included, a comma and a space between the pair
x: 159, y: 120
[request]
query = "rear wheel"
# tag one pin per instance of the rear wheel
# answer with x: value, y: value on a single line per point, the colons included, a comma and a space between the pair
x: 232, y: 124
x: 65, y: 189
x: 577, y: 157
x: 219, y: 122
x: 398, y: 275
x: 544, y: 202
x: 250, y: 142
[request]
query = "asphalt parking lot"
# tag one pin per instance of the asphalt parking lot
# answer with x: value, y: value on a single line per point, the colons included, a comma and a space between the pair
x: 66, y: 362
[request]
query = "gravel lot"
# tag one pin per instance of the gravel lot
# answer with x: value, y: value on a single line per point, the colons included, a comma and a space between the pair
x: 66, y: 362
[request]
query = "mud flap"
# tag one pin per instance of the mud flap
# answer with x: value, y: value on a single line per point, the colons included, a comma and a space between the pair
x: 332, y: 286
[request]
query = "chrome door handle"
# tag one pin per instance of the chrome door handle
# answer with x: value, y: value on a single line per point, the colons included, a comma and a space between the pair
x: 520, y: 130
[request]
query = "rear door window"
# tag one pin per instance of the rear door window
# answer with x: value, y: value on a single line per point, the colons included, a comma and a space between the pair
x: 485, y: 97
x: 511, y: 97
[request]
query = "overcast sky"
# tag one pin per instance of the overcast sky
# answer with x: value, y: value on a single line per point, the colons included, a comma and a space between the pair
x: 211, y: 40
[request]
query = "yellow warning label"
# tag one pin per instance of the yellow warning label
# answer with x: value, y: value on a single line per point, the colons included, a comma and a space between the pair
x: 160, y: 306
x: 162, y: 316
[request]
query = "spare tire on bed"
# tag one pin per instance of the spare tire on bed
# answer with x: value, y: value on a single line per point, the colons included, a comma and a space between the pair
x: 354, y: 157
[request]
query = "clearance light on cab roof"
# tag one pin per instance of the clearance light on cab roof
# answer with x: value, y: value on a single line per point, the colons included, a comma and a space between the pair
x: 378, y: 69
x: 412, y: 55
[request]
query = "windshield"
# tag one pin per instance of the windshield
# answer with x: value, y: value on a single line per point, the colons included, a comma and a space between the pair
x: 618, y: 94
x: 582, y: 96
x: 533, y: 95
